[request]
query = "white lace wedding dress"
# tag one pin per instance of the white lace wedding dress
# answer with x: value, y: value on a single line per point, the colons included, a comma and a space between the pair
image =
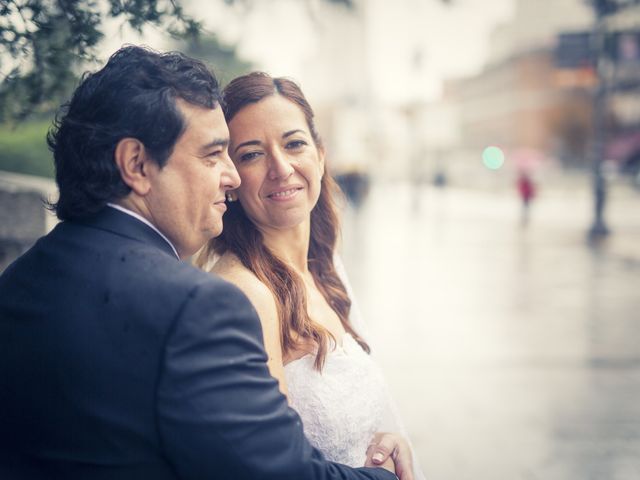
x: 342, y: 406
x: 345, y: 404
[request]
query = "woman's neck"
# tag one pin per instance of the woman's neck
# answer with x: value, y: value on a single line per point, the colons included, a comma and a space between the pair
x: 291, y: 246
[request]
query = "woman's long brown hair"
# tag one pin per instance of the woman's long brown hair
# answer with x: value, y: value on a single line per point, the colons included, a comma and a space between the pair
x: 241, y: 237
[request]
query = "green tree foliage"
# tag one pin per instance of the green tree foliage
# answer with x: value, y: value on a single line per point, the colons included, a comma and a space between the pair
x: 23, y: 149
x: 222, y: 59
x: 42, y: 43
x: 45, y: 44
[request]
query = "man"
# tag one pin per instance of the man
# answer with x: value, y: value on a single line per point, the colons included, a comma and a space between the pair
x: 117, y: 360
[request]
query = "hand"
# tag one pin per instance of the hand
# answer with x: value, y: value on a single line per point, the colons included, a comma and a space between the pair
x: 391, y: 446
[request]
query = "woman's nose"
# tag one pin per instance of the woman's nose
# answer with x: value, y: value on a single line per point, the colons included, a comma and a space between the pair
x: 279, y: 166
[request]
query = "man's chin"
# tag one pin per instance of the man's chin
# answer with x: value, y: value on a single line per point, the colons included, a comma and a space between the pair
x: 214, y: 232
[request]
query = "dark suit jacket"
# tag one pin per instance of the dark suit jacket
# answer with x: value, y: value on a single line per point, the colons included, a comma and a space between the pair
x: 118, y: 361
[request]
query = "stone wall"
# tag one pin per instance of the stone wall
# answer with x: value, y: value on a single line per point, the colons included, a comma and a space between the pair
x: 23, y: 216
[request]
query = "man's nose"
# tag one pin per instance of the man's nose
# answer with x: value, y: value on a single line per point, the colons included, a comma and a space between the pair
x: 231, y: 178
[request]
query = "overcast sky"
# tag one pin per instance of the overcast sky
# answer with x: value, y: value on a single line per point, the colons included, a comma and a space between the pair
x: 453, y: 39
x: 277, y: 35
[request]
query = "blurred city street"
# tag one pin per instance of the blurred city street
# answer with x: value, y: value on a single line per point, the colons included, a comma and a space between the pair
x: 510, y: 343
x: 513, y: 352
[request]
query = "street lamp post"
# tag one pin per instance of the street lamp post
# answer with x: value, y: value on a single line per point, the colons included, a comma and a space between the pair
x: 598, y: 228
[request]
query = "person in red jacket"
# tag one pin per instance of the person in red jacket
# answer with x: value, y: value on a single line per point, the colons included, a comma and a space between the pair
x: 527, y: 191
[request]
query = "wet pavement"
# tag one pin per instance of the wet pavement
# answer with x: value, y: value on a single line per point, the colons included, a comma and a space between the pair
x: 513, y: 352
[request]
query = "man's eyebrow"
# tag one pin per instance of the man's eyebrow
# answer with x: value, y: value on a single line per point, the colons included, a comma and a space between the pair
x: 244, y: 144
x: 218, y: 142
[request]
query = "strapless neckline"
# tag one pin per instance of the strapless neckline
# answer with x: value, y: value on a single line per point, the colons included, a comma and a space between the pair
x: 344, y: 347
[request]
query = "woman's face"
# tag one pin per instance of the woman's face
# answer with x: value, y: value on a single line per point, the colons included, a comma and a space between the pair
x: 278, y: 162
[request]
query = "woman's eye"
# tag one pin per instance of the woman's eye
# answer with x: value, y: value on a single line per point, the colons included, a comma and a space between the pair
x: 245, y: 157
x: 296, y: 144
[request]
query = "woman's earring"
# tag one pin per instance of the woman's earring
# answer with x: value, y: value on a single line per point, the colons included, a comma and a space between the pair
x: 229, y: 197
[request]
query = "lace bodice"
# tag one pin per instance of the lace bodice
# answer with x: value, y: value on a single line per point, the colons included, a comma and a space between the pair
x: 342, y: 406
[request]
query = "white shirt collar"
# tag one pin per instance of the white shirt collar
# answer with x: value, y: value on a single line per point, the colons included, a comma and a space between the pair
x: 146, y: 222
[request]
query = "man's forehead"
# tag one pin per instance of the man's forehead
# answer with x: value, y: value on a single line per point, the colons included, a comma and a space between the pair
x: 189, y: 110
x: 204, y: 121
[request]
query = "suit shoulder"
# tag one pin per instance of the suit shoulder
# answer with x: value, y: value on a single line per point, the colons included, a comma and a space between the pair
x: 154, y: 274
x: 182, y: 276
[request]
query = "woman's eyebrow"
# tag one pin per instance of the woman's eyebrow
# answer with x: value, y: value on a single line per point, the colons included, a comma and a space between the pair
x: 244, y: 144
x: 291, y: 132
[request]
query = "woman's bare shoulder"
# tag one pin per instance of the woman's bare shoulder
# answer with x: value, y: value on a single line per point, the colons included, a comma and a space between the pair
x: 230, y: 268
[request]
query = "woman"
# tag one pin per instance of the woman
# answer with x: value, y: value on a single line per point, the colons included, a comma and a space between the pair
x: 278, y: 246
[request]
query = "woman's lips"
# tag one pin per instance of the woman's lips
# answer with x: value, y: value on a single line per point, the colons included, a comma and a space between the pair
x: 284, y: 194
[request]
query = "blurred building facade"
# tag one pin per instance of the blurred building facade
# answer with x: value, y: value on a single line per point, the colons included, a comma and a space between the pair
x: 532, y: 101
x: 525, y: 102
x: 340, y: 59
x: 521, y: 101
x: 362, y: 135
x: 622, y: 50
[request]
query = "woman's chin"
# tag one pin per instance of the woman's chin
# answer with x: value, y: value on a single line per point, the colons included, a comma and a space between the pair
x: 287, y: 221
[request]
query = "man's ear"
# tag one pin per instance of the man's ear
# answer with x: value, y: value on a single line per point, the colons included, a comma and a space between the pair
x: 134, y: 164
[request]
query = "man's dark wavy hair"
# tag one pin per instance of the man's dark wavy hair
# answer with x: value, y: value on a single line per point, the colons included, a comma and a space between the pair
x: 134, y: 95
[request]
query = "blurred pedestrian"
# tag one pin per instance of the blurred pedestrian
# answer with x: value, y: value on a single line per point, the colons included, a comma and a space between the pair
x: 355, y: 185
x: 527, y: 192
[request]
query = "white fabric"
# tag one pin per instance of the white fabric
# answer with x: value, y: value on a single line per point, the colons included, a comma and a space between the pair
x: 341, y: 407
x: 355, y: 317
x: 345, y: 404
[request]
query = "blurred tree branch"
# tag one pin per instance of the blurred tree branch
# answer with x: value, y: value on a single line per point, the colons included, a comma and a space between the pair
x: 42, y: 41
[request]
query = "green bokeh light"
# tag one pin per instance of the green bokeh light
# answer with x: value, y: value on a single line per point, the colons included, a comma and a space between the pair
x: 493, y: 157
